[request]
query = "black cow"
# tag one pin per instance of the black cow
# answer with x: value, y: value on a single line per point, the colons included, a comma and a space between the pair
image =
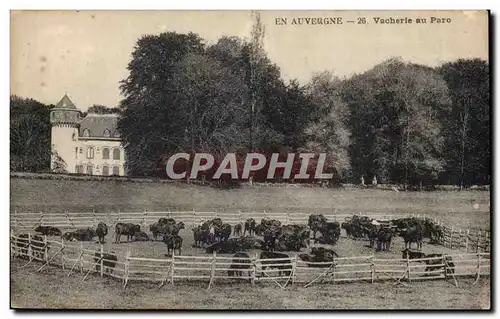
x: 80, y: 235
x: 412, y: 234
x: 284, y: 265
x: 101, y: 231
x: 201, y: 236
x: 109, y: 261
x: 166, y: 221
x: 436, y: 264
x: 318, y: 255
x: 316, y: 223
x: 384, y: 238
x: 48, y: 230
x: 230, y: 246
x: 412, y: 254
x: 173, y: 242
x: 238, y: 265
x: 238, y: 230
x: 156, y: 229
x: 249, y: 226
x: 223, y: 232
x: 141, y: 236
x: 128, y: 229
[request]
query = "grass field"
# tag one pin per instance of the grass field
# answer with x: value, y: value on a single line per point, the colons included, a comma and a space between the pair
x: 52, y: 289
x: 34, y: 195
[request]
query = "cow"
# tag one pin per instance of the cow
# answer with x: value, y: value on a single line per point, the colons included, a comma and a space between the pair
x: 141, y: 236
x: 412, y: 254
x: 48, y: 230
x: 384, y: 238
x: 173, y: 242
x: 238, y: 265
x: 155, y: 229
x: 283, y: 265
x: 316, y: 222
x: 200, y: 236
x: 128, y: 229
x: 348, y: 229
x: 166, y: 221
x: 223, y: 233
x: 173, y: 229
x: 412, y: 234
x: 319, y: 255
x: 249, y: 226
x: 80, y: 235
x: 109, y: 261
x: 442, y: 262
x: 101, y: 231
x: 238, y: 229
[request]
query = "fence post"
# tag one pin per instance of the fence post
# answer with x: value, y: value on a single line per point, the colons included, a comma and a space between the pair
x: 478, y: 266
x: 46, y: 251
x: 29, y: 246
x: 81, y: 257
x: 119, y: 217
x: 240, y: 216
x: 478, y: 237
x: 144, y: 219
x: 102, y: 261
x: 212, y: 269
x: 127, y: 267
x: 254, y: 268
x: 95, y: 218
x: 172, y: 268
x: 408, y: 266
x: 467, y: 241
x: 294, y: 268
x: 265, y: 214
x: 372, y: 267
x: 62, y: 253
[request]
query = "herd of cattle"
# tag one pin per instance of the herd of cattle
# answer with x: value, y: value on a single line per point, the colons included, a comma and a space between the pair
x: 214, y: 235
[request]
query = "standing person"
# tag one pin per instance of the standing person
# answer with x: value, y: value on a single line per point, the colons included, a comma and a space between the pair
x: 374, y: 181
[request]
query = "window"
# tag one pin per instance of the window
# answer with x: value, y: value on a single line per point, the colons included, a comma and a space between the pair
x: 90, y: 169
x: 76, y: 152
x: 79, y: 169
x: 105, y: 153
x: 116, y: 134
x: 116, y: 153
x: 81, y: 150
x: 86, y: 132
x: 116, y: 170
x: 106, y: 133
x: 90, y: 152
x: 105, y: 170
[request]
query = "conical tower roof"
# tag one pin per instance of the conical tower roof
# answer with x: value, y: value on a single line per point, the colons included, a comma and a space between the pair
x: 65, y: 103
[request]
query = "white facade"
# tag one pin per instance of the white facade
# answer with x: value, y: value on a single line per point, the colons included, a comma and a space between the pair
x: 88, y: 145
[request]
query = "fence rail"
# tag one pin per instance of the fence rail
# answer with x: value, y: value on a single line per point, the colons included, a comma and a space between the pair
x: 219, y: 269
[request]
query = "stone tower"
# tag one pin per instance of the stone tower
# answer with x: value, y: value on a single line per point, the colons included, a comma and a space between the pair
x: 65, y: 119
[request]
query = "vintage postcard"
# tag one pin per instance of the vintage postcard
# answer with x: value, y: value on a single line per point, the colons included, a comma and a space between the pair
x: 250, y: 160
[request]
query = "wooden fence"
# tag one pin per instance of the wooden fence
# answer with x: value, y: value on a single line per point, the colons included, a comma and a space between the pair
x: 215, y: 269
x: 91, y: 219
x: 454, y: 238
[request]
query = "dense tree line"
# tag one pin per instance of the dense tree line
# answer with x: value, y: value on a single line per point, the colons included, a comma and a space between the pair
x: 29, y: 135
x: 399, y: 121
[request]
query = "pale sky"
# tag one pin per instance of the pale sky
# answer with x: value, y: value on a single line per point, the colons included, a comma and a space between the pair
x: 85, y: 54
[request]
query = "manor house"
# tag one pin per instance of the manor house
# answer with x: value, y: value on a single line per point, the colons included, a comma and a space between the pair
x: 87, y: 145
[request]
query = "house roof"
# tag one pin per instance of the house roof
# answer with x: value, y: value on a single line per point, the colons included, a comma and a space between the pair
x: 65, y: 103
x: 98, y: 123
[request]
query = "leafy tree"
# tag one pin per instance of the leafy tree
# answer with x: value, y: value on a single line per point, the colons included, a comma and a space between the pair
x: 328, y: 131
x: 467, y: 131
x: 29, y: 135
x: 101, y: 109
x: 395, y: 110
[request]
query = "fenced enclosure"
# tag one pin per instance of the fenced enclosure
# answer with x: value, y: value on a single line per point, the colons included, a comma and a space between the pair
x: 215, y: 269
x: 467, y: 240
